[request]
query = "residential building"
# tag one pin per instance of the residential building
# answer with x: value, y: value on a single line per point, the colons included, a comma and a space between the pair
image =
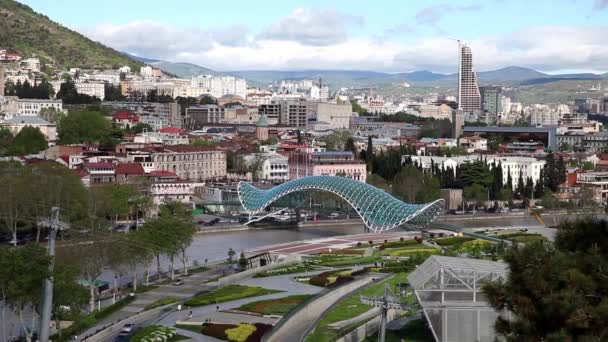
x: 270, y: 166
x: 528, y: 147
x: 9, y: 56
x: 129, y: 173
x: 34, y: 106
x: 527, y: 167
x: 17, y: 123
x: 125, y: 119
x: 31, y: 64
x: 99, y: 173
x: 491, y: 102
x: 187, y: 162
x: 200, y: 115
x: 157, y: 115
x: 95, y: 89
x: 288, y: 112
x: 327, y: 163
x: 598, y: 183
x: 473, y: 143
x: 469, y: 98
x: 166, y: 136
x: 336, y: 115
x: 237, y: 114
x: 175, y: 190
x: 219, y: 86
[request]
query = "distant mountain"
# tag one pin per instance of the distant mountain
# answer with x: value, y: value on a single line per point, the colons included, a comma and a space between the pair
x: 141, y: 59
x: 32, y: 33
x: 421, y: 76
x: 184, y: 70
x: 511, y: 73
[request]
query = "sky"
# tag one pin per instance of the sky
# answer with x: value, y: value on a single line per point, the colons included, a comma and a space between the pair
x: 553, y: 36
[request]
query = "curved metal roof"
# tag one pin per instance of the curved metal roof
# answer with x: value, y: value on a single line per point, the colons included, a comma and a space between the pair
x: 379, y: 210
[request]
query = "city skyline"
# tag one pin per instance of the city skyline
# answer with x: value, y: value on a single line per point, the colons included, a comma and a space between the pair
x: 388, y: 37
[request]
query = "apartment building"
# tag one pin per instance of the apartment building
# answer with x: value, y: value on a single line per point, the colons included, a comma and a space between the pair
x: 198, y: 116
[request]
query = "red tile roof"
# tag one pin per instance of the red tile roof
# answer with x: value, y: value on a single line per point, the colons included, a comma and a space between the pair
x: 129, y: 169
x: 101, y: 165
x: 173, y: 130
x: 126, y: 116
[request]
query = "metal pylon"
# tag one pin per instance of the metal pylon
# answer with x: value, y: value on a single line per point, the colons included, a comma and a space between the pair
x: 388, y: 300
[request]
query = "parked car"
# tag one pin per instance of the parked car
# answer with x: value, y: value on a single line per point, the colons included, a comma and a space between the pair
x: 178, y: 282
x: 127, y: 328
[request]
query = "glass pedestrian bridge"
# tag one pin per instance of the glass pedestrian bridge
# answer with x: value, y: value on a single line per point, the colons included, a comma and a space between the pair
x: 379, y: 210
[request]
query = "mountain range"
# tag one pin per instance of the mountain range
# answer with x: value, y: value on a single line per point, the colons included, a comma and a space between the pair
x: 512, y: 75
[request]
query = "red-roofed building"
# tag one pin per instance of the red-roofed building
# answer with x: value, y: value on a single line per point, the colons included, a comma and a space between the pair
x: 125, y: 119
x: 173, y: 130
x: 129, y: 173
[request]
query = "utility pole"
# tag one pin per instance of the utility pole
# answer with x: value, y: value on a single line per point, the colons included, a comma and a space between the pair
x: 54, y: 225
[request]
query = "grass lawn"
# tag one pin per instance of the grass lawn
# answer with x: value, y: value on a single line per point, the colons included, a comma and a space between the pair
x: 228, y: 293
x: 409, y: 251
x: 348, y: 261
x: 194, y: 328
x: 160, y: 302
x: 350, y: 307
x: 279, y: 306
x: 415, y: 331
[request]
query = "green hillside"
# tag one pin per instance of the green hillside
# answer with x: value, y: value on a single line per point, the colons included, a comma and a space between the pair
x: 29, y: 32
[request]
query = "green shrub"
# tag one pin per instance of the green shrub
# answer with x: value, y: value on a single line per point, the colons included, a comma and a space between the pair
x: 453, y: 240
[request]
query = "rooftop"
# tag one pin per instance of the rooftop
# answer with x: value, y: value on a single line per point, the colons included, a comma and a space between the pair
x: 28, y: 120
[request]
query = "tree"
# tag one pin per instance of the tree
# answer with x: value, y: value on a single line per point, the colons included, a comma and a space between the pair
x: 357, y: 108
x: 203, y: 142
x: 350, y: 146
x: 369, y: 154
x: 554, y: 172
x: 113, y: 93
x: 15, y: 202
x: 68, y: 93
x: 539, y: 187
x: 22, y: 274
x: 555, y: 293
x: 83, y: 126
x: 528, y: 188
x: 476, y: 172
x: 408, y: 183
x: 51, y: 114
x: 243, y: 261
x: 378, y: 182
x: 336, y: 140
x: 475, y: 193
x: 67, y: 293
x: 206, y: 99
x: 29, y: 140
x: 231, y: 254
x: 140, y: 128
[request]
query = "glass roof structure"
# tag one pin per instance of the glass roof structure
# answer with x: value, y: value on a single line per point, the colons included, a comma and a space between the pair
x: 449, y: 290
x: 379, y: 210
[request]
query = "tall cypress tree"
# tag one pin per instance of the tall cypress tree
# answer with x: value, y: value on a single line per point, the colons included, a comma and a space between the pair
x: 539, y: 190
x: 509, y: 179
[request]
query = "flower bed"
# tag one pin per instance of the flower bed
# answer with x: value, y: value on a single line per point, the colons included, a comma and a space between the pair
x: 410, y: 251
x: 279, y: 306
x: 243, y: 332
x: 155, y: 333
x: 335, y: 277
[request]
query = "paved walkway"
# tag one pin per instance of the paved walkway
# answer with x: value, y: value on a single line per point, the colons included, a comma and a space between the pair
x: 284, y: 283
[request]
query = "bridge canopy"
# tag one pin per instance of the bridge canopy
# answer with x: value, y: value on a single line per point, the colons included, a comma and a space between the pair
x: 379, y: 210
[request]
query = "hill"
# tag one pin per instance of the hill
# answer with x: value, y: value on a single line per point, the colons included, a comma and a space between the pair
x: 185, y: 70
x: 31, y: 33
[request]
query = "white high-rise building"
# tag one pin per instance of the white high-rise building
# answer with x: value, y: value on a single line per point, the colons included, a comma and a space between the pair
x: 469, y: 98
x: 221, y: 85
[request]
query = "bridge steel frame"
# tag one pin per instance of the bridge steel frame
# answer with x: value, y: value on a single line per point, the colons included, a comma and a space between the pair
x: 379, y: 210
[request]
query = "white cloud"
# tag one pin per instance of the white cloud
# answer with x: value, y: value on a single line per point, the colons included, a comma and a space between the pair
x: 431, y: 15
x: 317, y: 27
x: 546, y: 48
